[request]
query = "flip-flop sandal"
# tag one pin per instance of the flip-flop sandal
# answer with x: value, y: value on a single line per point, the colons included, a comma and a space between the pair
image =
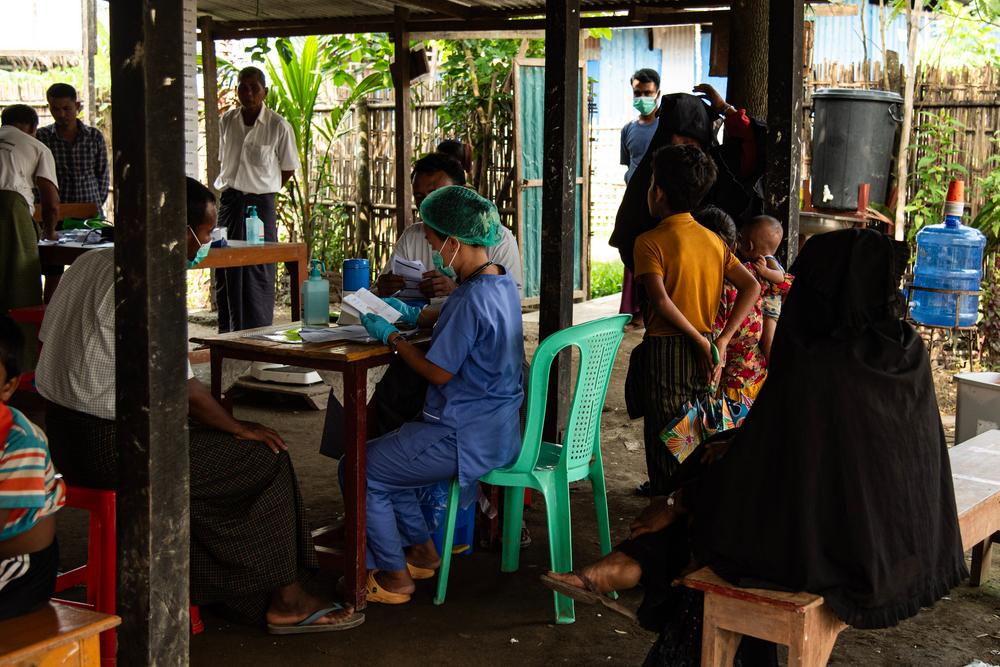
x: 588, y: 595
x: 308, y: 625
x: 417, y: 572
x: 378, y: 594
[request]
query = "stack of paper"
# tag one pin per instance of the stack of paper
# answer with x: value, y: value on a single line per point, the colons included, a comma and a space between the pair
x: 347, y: 332
x: 412, y: 272
x: 364, y: 302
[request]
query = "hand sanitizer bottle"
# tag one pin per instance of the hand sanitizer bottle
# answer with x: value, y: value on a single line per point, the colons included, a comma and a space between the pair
x: 254, y: 227
x: 316, y: 297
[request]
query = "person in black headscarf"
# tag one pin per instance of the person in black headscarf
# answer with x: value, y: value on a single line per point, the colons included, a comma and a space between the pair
x: 687, y: 119
x: 838, y: 483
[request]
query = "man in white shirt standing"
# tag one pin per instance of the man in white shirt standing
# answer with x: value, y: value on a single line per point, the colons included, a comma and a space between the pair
x: 258, y: 155
x: 25, y: 163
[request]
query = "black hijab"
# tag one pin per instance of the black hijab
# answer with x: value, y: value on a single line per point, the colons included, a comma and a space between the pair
x: 688, y: 116
x: 839, y: 482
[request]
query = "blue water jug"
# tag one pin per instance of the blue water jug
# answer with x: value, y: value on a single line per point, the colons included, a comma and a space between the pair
x: 356, y: 275
x: 949, y: 257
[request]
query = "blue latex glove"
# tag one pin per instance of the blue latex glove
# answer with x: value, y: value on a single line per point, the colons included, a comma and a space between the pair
x: 377, y: 327
x: 409, y: 313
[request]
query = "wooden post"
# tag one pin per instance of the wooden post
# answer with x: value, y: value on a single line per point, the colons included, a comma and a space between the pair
x: 89, y: 36
x: 210, y: 78
x: 404, y: 121
x: 363, y: 235
x: 784, y: 118
x: 561, y: 127
x: 147, y: 76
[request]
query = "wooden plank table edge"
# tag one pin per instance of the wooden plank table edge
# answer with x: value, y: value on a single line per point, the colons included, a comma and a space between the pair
x: 91, y: 628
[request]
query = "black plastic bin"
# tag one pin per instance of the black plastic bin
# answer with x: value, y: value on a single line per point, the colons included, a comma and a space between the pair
x: 854, y: 133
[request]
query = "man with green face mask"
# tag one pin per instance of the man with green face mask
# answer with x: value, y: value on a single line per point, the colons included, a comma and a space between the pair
x: 637, y: 133
x: 636, y: 136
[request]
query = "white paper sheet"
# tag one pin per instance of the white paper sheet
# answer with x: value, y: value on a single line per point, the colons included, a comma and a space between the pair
x: 412, y: 272
x: 364, y: 302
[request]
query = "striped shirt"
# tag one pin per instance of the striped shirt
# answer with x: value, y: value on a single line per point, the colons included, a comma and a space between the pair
x: 28, y: 482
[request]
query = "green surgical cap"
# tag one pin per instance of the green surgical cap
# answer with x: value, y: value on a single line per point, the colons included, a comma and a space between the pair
x: 460, y: 212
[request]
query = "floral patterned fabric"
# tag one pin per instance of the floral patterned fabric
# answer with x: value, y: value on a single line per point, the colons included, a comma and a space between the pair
x: 746, y: 366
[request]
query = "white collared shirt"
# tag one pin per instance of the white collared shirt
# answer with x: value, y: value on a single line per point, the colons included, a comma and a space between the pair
x: 23, y: 159
x: 76, y: 368
x: 252, y: 160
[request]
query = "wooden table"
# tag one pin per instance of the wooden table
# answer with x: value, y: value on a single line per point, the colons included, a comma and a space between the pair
x: 237, y: 253
x: 352, y: 360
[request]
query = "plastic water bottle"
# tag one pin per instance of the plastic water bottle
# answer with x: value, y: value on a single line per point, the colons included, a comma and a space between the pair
x: 316, y: 297
x: 254, y: 227
x: 949, y: 257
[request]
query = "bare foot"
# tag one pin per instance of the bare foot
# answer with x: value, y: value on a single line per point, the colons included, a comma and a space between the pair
x: 292, y: 604
x: 614, y: 572
x: 423, y: 555
x: 396, y: 581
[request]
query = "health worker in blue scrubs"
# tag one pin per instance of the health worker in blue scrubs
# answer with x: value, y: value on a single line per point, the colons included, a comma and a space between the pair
x: 469, y: 425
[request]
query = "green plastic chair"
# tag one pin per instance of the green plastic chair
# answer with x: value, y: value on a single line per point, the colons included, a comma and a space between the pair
x: 548, y: 467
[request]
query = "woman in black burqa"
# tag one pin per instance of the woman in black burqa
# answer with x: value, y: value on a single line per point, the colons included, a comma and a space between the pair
x: 838, y: 483
x: 686, y: 118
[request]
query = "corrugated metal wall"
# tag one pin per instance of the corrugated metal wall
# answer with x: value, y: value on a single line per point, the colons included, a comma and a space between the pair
x: 530, y: 109
x: 838, y: 38
x: 627, y: 51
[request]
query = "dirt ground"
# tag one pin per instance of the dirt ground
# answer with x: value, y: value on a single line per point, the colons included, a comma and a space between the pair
x: 492, y: 618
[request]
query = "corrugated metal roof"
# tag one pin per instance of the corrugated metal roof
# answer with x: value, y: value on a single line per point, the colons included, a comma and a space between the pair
x: 259, y: 10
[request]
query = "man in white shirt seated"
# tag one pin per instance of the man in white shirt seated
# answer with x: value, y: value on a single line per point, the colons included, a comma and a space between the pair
x: 251, y: 548
x: 433, y: 171
x: 257, y: 155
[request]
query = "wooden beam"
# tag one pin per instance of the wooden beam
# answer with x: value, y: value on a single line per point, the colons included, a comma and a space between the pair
x: 404, y: 121
x: 784, y: 118
x: 89, y: 50
x: 437, y: 23
x: 833, y: 9
x: 446, y: 7
x: 210, y: 79
x: 422, y: 36
x: 147, y: 78
x: 559, y: 141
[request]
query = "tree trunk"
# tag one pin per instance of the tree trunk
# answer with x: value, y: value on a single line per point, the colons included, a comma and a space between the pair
x: 747, y: 86
x: 913, y: 14
x: 363, y: 231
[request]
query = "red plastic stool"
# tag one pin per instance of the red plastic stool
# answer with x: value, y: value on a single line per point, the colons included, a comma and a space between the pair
x: 28, y: 315
x: 98, y: 575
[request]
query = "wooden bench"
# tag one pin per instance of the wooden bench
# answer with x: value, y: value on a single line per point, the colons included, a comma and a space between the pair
x: 56, y: 635
x: 802, y: 621
x: 975, y: 469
